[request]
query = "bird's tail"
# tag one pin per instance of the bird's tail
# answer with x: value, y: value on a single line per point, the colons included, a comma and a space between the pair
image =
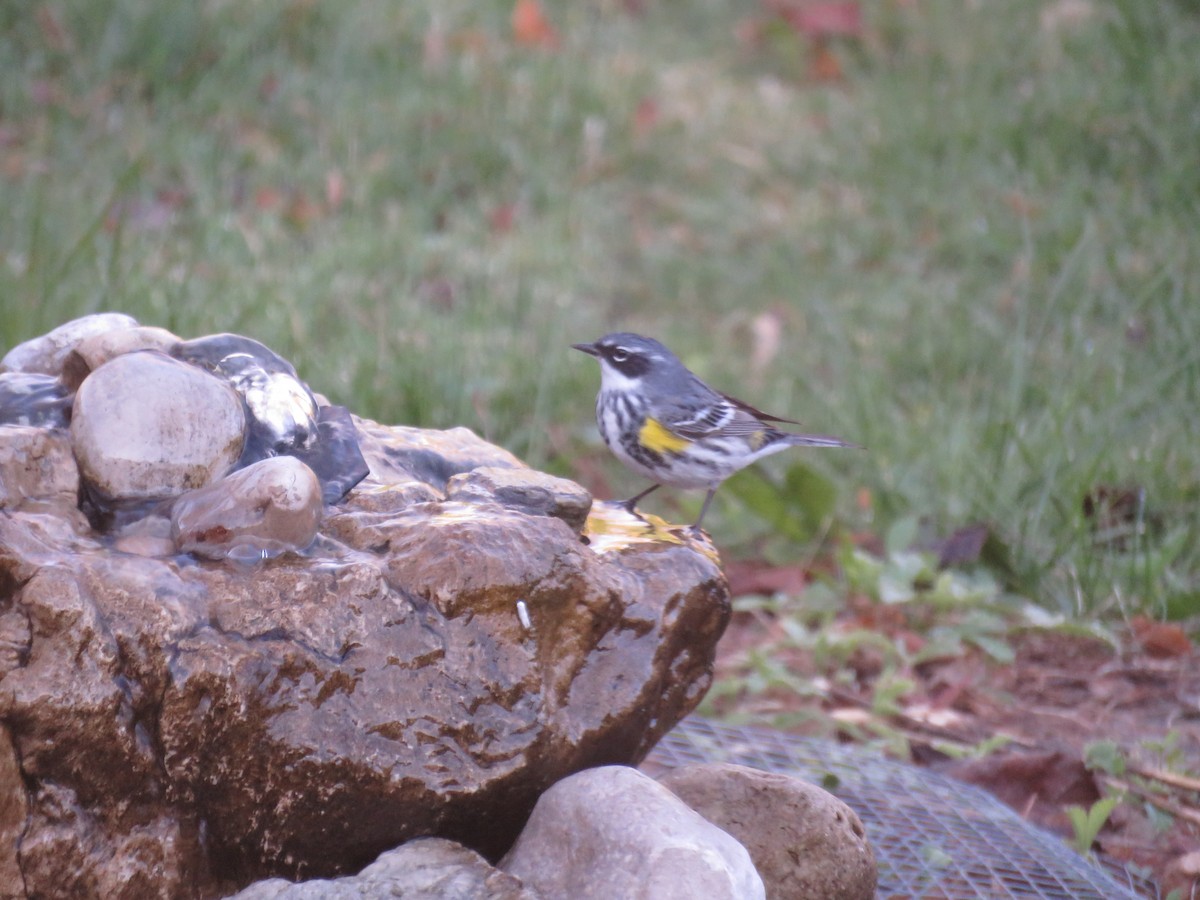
x: 814, y: 440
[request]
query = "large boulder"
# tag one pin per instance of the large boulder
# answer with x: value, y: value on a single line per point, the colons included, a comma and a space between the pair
x: 175, y: 726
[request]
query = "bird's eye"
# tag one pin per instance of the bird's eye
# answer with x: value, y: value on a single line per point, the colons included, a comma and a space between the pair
x: 620, y: 354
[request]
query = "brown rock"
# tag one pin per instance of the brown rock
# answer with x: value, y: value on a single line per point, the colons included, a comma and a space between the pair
x: 14, y: 808
x: 805, y: 843
x: 399, y: 454
x: 218, y: 725
x: 525, y: 489
x: 36, y: 464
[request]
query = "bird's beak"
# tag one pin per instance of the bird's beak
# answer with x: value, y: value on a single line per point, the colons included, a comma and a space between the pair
x: 589, y: 349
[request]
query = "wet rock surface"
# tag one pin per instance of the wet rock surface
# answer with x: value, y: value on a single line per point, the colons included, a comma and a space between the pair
x: 283, y: 409
x: 524, y: 490
x: 181, y: 727
x: 805, y: 843
x: 30, y: 398
x: 614, y: 832
x: 36, y: 464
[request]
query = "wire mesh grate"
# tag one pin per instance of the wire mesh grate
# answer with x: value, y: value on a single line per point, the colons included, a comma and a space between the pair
x: 934, y: 838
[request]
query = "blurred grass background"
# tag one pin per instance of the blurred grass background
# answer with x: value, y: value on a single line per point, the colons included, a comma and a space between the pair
x: 970, y: 246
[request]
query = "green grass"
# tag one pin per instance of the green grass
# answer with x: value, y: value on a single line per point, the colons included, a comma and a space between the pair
x: 979, y: 248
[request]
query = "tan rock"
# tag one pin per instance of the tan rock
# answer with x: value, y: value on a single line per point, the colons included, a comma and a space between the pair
x: 93, y: 352
x: 14, y: 808
x: 806, y: 843
x: 424, y: 869
x: 397, y: 454
x: 36, y: 464
x: 145, y: 426
x: 265, y: 509
x: 613, y: 832
x: 525, y: 489
x: 46, y: 354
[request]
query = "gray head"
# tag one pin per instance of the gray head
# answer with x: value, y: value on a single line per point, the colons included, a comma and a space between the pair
x: 627, y: 358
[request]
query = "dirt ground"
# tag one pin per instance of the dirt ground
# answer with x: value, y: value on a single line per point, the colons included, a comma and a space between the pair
x: 1065, y: 702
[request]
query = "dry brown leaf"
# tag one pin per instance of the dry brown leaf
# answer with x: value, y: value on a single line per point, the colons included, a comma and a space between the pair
x: 530, y: 26
x: 823, y: 64
x: 759, y: 577
x: 1160, y: 640
x: 335, y: 189
x: 819, y: 19
x: 503, y: 218
x: 646, y: 117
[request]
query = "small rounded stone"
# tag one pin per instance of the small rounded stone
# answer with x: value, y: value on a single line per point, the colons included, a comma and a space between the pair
x: 262, y: 510
x: 805, y: 842
x: 93, y: 352
x: 47, y: 353
x: 146, y: 426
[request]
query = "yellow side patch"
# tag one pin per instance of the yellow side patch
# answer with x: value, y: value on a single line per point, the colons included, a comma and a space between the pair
x: 656, y: 437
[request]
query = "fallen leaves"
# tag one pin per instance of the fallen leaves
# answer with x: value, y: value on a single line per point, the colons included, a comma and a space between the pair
x: 757, y: 577
x: 646, y: 117
x: 1038, y: 783
x: 531, y: 28
x: 819, y: 24
x: 915, y: 677
x: 1160, y: 640
x: 821, y: 19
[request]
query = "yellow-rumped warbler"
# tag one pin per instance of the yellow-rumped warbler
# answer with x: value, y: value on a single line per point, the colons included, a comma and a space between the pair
x: 665, y: 423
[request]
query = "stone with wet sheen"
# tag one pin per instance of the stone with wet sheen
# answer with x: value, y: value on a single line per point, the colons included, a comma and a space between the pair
x: 31, y: 398
x: 524, y: 489
x: 146, y: 426
x: 177, y: 726
x: 47, y: 353
x: 257, y: 512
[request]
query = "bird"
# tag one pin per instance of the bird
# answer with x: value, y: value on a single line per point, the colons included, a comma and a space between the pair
x: 663, y: 422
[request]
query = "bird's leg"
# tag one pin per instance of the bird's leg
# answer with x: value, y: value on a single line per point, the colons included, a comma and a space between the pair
x: 632, y: 501
x: 704, y: 508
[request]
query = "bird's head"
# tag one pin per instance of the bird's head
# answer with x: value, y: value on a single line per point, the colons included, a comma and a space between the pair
x: 626, y: 359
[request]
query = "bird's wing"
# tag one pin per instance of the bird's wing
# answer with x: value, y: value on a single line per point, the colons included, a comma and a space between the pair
x: 757, y: 413
x: 707, y: 414
x: 710, y: 414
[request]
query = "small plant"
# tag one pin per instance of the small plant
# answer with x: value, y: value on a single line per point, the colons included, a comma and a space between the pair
x: 1088, y: 822
x: 1105, y: 756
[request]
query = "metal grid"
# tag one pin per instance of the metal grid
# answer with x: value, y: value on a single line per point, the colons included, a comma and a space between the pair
x: 934, y: 838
